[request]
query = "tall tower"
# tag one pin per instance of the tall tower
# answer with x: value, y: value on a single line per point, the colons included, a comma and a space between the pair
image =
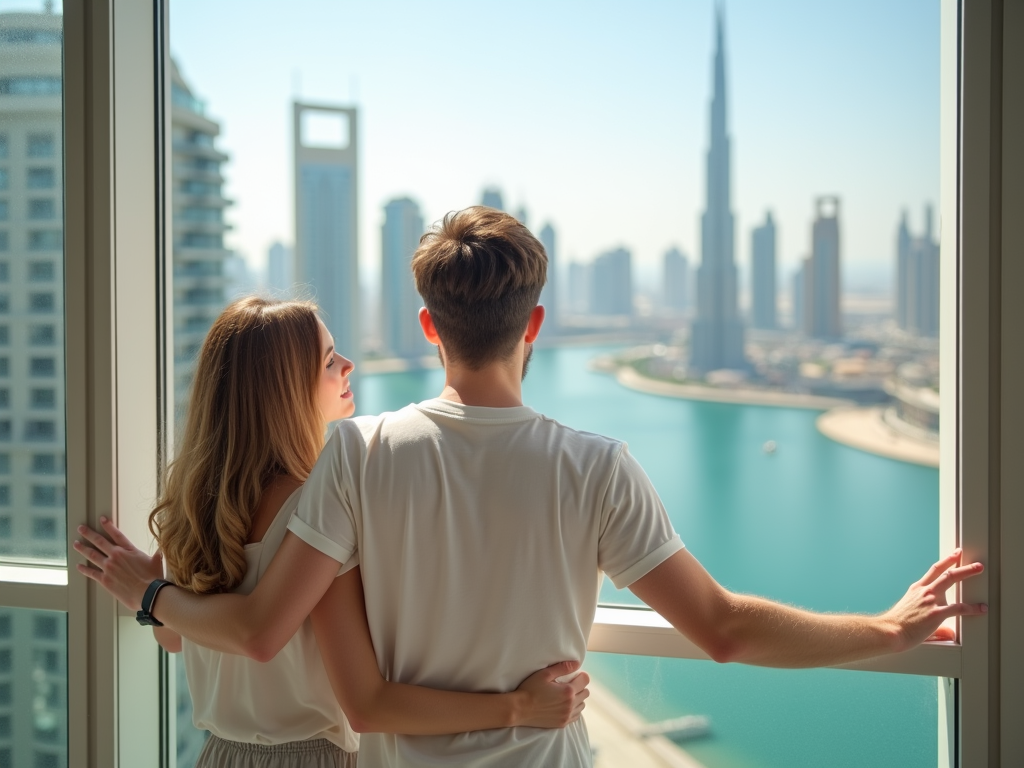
x: 718, y: 331
x: 611, y: 290
x: 492, y: 198
x: 198, y: 203
x: 549, y: 296
x: 33, y: 518
x: 280, y: 271
x: 327, y: 215
x: 763, y: 250
x: 917, y: 279
x: 675, y: 281
x: 822, y: 312
x: 399, y: 303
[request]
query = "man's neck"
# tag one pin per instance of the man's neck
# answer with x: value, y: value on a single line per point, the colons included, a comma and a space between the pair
x: 499, y: 385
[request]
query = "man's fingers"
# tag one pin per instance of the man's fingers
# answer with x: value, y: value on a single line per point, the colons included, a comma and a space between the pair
x: 962, y: 609
x: 956, y: 575
x: 91, y: 554
x: 944, y: 634
x: 97, y: 540
x: 115, y: 534
x: 937, y: 570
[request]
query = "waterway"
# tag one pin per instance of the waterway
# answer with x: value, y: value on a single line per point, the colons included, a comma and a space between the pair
x: 815, y: 523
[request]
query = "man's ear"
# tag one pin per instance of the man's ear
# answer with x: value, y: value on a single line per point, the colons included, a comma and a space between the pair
x: 532, y: 327
x: 427, y: 324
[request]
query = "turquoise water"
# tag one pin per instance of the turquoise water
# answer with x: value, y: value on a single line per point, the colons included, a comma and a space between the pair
x: 816, y: 524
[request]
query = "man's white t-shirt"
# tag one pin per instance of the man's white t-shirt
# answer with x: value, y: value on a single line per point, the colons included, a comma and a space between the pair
x: 482, y: 534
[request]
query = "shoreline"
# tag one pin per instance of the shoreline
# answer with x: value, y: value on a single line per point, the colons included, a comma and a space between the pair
x: 629, y: 377
x: 859, y: 427
x: 866, y: 430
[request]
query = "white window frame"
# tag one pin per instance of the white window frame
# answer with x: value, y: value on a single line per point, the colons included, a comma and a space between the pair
x: 118, y: 402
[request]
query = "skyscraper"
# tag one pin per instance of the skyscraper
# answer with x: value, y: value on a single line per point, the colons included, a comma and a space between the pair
x: 578, y: 293
x: 400, y: 303
x: 549, y: 296
x: 917, y: 279
x: 33, y: 520
x: 611, y: 283
x: 799, y: 291
x: 327, y: 215
x: 675, y: 281
x: 199, y: 255
x: 717, y: 335
x: 763, y: 283
x: 822, y: 310
x: 492, y: 198
x: 280, y: 270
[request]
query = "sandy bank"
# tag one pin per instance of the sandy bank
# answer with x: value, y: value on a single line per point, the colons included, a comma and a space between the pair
x: 866, y: 430
x: 628, y: 377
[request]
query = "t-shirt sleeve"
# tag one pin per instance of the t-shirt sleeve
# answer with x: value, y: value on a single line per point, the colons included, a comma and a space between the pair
x: 636, y: 534
x: 325, y: 518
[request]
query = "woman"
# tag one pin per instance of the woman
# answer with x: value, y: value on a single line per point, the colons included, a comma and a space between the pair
x: 267, y: 382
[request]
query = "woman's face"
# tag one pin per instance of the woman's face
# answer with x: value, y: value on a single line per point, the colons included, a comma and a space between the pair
x: 336, y: 401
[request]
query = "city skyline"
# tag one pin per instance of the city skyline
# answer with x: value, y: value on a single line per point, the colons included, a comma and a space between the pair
x: 641, y: 111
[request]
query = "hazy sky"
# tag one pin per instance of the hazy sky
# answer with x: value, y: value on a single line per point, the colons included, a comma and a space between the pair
x: 594, y: 115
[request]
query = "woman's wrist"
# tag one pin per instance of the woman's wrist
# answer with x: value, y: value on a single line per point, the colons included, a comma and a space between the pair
x: 518, y: 704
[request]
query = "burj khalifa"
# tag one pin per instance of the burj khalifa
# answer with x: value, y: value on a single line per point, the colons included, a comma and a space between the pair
x: 717, y: 337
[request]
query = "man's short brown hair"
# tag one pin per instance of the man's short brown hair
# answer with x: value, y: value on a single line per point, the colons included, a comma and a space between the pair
x: 480, y: 273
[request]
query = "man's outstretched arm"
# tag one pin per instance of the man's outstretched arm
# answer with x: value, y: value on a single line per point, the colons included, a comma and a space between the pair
x: 752, y: 630
x: 257, y: 625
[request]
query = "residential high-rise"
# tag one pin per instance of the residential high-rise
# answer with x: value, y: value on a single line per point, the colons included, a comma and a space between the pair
x: 492, y: 198
x: 917, y: 279
x: 199, y: 255
x: 280, y: 270
x: 578, y: 293
x: 717, y: 335
x: 822, y: 308
x: 33, y: 519
x: 763, y: 283
x: 799, y: 291
x: 549, y: 296
x: 611, y: 283
x: 675, y: 278
x: 327, y: 216
x: 400, y: 303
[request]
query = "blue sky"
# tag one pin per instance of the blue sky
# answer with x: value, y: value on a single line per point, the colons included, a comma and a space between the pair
x: 594, y: 115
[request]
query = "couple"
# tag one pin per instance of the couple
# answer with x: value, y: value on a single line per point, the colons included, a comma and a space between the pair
x: 470, y: 532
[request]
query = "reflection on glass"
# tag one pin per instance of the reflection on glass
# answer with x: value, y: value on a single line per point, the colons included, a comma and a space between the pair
x: 32, y: 495
x: 33, y: 688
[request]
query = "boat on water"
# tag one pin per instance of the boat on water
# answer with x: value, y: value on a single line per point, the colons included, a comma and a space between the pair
x: 677, y: 728
x: 770, y: 447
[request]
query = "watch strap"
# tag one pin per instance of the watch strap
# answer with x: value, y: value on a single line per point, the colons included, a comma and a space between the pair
x: 145, y: 617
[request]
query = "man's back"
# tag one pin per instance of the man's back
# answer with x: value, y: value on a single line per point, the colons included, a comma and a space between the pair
x: 481, y: 533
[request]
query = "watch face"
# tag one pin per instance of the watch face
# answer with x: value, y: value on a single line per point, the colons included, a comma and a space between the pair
x: 146, y: 619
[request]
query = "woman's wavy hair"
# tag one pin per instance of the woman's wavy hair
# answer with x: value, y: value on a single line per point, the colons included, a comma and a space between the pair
x: 253, y: 414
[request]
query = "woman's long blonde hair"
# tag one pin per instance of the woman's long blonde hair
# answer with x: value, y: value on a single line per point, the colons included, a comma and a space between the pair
x: 254, y: 414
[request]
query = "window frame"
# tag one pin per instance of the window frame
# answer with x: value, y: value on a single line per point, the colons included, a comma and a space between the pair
x: 116, y: 95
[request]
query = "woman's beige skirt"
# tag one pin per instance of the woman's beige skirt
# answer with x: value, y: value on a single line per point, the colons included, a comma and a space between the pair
x: 314, y: 753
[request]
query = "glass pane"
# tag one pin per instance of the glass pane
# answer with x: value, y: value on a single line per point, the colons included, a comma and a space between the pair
x: 33, y: 519
x: 33, y: 689
x: 762, y: 718
x: 737, y: 207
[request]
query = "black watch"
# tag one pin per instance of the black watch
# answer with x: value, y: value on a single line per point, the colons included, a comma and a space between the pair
x: 144, y: 617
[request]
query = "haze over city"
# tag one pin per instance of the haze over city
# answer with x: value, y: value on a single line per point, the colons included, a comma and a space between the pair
x: 600, y: 128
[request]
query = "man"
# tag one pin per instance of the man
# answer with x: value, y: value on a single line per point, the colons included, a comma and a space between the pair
x: 482, y: 528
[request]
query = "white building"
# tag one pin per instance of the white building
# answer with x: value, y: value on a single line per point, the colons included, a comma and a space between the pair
x: 399, y: 301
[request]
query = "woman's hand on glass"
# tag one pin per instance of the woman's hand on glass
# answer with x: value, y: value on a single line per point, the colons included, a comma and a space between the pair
x: 554, y: 696
x: 116, y: 564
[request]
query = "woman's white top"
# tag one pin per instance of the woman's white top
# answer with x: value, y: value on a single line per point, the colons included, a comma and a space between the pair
x: 288, y: 698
